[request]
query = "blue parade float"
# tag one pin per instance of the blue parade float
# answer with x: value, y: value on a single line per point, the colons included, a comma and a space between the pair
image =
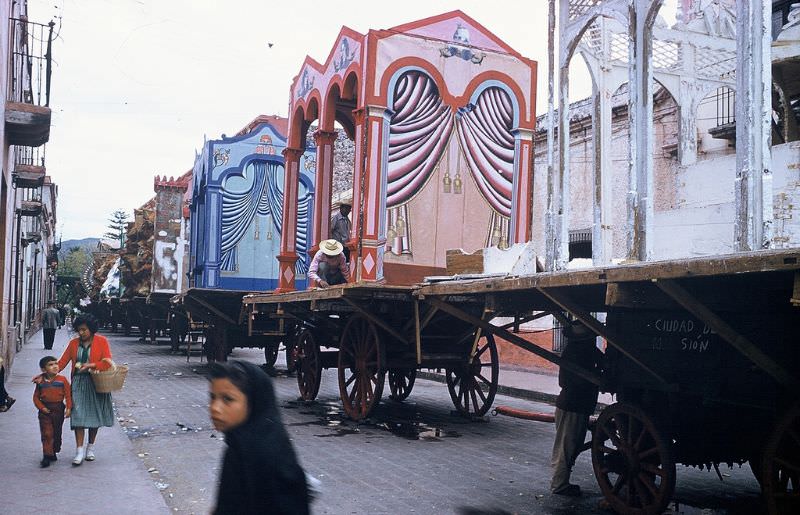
x: 237, y: 209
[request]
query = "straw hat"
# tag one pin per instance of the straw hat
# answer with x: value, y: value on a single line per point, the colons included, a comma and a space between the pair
x: 347, y: 200
x: 330, y: 247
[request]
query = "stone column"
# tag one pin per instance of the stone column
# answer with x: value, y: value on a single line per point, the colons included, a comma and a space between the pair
x: 288, y: 254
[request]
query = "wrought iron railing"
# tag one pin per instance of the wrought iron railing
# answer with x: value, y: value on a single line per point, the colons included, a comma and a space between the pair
x: 725, y: 99
x: 31, y: 62
x: 31, y: 156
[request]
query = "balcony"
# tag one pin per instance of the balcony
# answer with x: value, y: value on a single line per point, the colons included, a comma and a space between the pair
x: 27, y: 116
x: 29, y: 169
x: 30, y: 208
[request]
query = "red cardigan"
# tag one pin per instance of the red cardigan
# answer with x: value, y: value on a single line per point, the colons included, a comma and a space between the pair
x: 100, y: 349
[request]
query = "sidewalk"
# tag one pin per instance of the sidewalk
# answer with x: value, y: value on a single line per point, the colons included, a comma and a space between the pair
x: 116, y: 482
x: 525, y: 385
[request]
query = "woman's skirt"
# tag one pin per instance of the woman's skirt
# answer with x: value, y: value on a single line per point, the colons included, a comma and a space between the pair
x: 89, y: 408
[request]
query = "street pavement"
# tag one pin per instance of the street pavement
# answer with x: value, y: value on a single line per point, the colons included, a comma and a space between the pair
x: 412, y: 457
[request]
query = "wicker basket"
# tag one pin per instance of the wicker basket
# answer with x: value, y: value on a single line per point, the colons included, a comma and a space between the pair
x: 110, y: 380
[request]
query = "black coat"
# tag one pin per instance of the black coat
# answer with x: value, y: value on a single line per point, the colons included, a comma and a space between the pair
x: 577, y: 394
x: 260, y: 472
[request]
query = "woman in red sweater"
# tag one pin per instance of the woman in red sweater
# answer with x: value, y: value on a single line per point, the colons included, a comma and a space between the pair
x: 91, y: 410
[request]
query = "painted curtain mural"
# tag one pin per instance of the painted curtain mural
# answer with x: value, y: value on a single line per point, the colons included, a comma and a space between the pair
x: 419, y: 133
x: 264, y: 198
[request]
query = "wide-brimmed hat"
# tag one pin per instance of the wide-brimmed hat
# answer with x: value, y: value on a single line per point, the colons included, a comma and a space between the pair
x: 331, y: 247
x: 346, y: 201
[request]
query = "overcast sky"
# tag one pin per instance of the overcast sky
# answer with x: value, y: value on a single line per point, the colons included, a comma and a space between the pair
x: 137, y: 83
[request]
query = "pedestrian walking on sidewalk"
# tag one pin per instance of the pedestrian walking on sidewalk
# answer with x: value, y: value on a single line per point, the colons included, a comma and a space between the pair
x: 52, y: 397
x: 576, y: 402
x: 91, y: 410
x: 6, y: 401
x: 260, y: 472
x: 51, y: 320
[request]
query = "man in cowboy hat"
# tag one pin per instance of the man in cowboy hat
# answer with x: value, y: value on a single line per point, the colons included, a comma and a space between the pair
x: 576, y: 402
x: 341, y: 225
x: 328, y: 266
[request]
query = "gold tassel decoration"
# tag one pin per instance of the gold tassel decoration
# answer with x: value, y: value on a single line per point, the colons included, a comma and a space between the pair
x: 457, y: 184
x: 447, y: 182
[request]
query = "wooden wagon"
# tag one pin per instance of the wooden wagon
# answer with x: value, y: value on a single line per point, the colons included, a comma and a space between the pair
x: 367, y: 331
x: 219, y: 314
x: 702, y: 355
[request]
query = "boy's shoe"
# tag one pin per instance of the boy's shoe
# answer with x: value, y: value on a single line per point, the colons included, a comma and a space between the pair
x: 45, y: 462
x: 79, y: 456
x: 53, y: 458
x: 90, y: 452
x: 10, y: 402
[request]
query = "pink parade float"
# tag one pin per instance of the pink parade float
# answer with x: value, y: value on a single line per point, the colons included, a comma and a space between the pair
x: 441, y: 113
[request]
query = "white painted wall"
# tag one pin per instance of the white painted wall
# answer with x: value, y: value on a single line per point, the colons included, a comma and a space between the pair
x: 702, y: 223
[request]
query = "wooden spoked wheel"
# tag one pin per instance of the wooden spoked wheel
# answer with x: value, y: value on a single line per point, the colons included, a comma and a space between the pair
x: 271, y: 352
x: 361, y: 376
x: 781, y: 465
x: 309, y: 366
x: 401, y: 382
x: 632, y: 461
x: 473, y: 385
x: 292, y: 354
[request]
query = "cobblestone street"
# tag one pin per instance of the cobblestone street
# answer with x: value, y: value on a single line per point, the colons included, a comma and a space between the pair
x: 414, y: 457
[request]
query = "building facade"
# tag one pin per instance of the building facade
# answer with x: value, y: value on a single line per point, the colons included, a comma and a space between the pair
x: 28, y: 196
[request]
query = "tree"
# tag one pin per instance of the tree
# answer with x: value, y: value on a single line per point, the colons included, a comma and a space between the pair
x: 117, y: 225
x: 70, y: 269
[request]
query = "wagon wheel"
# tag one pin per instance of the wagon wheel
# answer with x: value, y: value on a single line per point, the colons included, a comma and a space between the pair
x: 401, y: 382
x: 271, y: 352
x: 292, y: 353
x: 632, y: 461
x: 470, y: 389
x: 781, y: 465
x: 360, y: 375
x: 309, y: 366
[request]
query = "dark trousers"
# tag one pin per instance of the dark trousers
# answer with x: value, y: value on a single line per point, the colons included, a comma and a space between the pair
x: 49, y: 338
x: 3, y: 392
x: 50, y: 425
x: 329, y: 274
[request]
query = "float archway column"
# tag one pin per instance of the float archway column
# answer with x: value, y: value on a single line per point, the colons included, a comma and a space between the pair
x: 369, y: 193
x: 522, y: 196
x: 288, y: 255
x: 323, y: 188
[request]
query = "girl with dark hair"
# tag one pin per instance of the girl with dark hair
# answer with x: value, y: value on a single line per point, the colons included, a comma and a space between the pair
x: 260, y: 472
x: 91, y: 410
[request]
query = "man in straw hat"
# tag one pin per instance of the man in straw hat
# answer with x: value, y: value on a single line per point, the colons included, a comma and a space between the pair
x: 329, y: 266
x: 341, y: 224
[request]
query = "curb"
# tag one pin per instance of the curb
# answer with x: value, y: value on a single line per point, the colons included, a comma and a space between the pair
x: 511, y: 391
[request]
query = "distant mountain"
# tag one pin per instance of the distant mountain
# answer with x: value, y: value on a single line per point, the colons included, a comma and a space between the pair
x: 86, y: 244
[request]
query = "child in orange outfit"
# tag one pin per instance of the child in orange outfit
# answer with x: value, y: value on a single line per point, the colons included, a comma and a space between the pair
x: 50, y: 394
